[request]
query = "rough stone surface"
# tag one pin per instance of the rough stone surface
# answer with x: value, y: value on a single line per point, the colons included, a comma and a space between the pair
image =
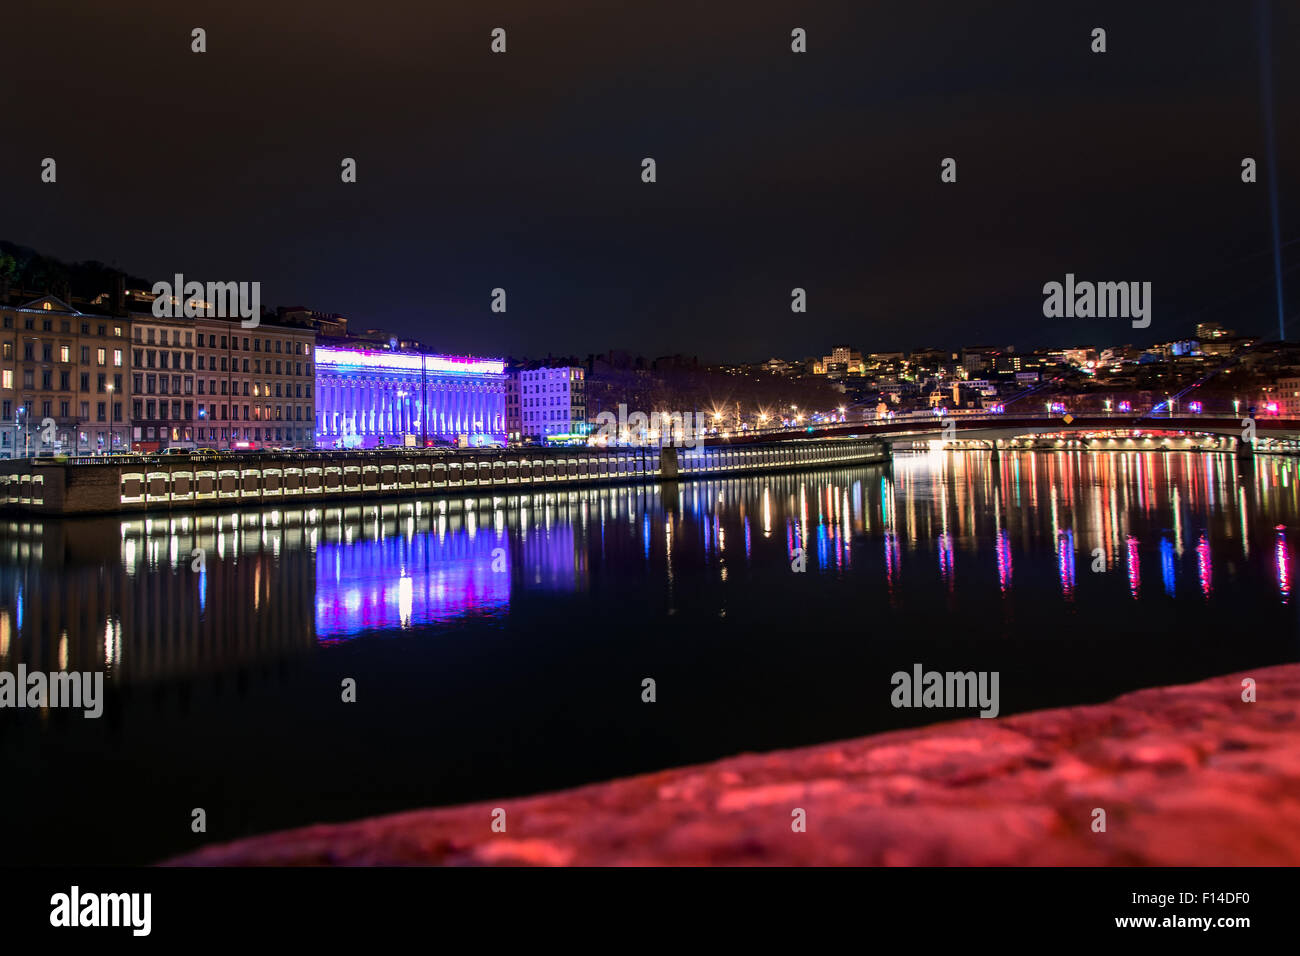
x: 1188, y: 775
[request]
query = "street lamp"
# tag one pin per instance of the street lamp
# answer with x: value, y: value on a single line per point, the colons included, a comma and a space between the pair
x: 401, y: 414
x: 111, y: 433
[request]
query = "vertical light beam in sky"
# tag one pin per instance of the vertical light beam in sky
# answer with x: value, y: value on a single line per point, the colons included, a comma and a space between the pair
x: 1264, y: 8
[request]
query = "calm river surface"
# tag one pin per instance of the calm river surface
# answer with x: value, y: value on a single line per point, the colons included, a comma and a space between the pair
x: 499, y: 644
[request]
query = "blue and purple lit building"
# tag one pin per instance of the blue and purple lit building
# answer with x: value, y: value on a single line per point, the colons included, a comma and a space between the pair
x: 367, y: 398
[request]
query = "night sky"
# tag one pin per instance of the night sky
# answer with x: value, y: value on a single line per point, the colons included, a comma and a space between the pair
x: 775, y: 169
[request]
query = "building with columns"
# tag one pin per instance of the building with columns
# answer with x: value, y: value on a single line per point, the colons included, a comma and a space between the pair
x: 367, y: 398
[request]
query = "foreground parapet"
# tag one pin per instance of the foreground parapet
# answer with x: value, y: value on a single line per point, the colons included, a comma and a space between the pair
x: 1188, y: 775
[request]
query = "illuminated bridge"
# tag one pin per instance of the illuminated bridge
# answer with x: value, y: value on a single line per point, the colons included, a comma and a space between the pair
x: 1092, y: 431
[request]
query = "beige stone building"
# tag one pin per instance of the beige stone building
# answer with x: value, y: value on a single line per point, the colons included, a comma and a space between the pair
x: 255, y: 386
x: 122, y: 379
x: 162, y: 381
x: 63, y: 379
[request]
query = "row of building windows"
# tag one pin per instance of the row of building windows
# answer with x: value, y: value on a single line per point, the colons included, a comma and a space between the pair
x: 65, y: 381
x: 204, y: 433
x: 575, y: 401
x: 552, y: 374
x: 551, y: 416
x: 65, y: 353
x: 146, y: 409
x: 149, y: 384
x: 47, y: 325
x: 46, y: 410
x: 151, y: 358
x: 282, y: 390
x: 158, y: 336
x: 281, y: 368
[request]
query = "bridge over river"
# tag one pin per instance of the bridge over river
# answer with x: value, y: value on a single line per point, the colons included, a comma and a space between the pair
x: 1095, y: 431
x: 55, y: 486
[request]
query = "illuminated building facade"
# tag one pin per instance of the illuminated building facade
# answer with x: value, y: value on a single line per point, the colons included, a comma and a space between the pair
x: 368, y: 399
x: 842, y: 361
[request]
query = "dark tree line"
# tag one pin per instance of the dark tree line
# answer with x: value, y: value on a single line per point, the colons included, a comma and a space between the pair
x: 28, y: 270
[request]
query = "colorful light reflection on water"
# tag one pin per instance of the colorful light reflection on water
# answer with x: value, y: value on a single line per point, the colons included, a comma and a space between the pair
x: 962, y: 525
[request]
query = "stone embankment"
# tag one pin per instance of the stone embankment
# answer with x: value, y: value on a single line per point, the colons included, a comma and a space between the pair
x: 1188, y: 775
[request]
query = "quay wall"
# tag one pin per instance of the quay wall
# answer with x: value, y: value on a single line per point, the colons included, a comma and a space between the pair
x: 76, y: 486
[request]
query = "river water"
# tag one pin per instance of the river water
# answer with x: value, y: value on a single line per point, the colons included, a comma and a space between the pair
x: 499, y: 645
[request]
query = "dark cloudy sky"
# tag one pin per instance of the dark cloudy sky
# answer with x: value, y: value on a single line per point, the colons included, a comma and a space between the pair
x: 775, y: 170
